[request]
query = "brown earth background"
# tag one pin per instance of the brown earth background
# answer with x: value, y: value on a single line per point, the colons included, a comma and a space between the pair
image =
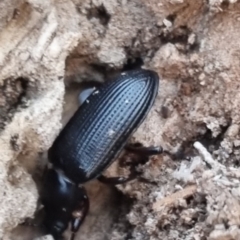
x: 48, y: 48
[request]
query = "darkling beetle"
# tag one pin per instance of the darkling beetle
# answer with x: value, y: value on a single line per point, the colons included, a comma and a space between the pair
x: 89, y: 143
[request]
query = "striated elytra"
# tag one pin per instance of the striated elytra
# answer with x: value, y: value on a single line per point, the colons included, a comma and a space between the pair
x: 91, y: 141
x: 101, y: 127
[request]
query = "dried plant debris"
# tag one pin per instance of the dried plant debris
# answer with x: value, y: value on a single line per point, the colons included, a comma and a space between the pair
x: 200, y: 199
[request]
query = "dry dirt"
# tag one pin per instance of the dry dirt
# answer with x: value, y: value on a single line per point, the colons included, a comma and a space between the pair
x: 47, y: 47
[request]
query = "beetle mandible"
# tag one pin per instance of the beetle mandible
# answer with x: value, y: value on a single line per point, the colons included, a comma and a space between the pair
x: 89, y: 143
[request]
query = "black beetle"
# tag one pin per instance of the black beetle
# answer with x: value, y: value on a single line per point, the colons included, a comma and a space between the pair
x: 89, y: 143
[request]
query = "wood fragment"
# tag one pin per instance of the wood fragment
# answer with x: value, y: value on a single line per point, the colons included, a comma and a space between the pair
x: 173, y: 198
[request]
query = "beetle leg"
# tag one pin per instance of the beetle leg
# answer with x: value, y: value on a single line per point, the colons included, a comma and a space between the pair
x: 79, y: 214
x: 117, y: 180
x: 140, y: 154
x: 143, y: 152
x: 121, y: 180
x: 146, y: 151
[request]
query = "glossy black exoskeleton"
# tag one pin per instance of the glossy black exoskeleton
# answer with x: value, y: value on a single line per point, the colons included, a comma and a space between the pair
x: 89, y: 143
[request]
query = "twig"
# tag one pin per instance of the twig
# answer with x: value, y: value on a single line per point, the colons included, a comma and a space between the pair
x: 173, y: 198
x: 207, y: 157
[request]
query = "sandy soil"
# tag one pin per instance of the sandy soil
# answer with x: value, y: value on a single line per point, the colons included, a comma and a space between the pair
x: 46, y: 46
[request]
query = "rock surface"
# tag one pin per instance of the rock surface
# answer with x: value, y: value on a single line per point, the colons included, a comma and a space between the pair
x: 194, y: 47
